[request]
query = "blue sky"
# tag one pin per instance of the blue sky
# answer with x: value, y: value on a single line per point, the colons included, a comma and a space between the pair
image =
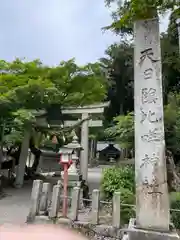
x: 55, y: 30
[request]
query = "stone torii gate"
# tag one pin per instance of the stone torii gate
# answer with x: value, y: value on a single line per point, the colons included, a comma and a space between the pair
x: 85, y: 112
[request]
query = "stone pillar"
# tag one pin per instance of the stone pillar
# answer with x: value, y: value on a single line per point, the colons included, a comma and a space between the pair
x: 35, y: 200
x: 22, y: 160
x: 55, y: 203
x: 75, y: 203
x: 152, y: 206
x: 116, y: 210
x: 85, y: 146
x: 81, y: 204
x: 46, y: 191
x: 95, y: 206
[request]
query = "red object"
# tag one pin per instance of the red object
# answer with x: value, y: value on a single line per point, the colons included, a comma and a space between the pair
x: 65, y: 200
x: 65, y: 185
x: 70, y: 163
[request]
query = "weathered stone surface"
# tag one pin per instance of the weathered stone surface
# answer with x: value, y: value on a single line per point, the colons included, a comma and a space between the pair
x: 45, y: 196
x: 35, y: 200
x: 95, y: 206
x: 75, y: 203
x: 116, y: 210
x: 55, y: 203
x: 141, y: 234
x: 152, y: 211
x: 85, y: 146
x: 150, y: 235
x: 91, y: 231
x: 94, y: 232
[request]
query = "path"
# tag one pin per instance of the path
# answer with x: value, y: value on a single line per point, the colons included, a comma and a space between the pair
x: 14, y: 208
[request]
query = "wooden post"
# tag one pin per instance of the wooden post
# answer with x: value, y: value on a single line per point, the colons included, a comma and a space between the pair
x: 116, y: 216
x: 53, y: 213
x: 95, y: 206
x: 35, y: 200
x: 46, y: 189
x: 75, y: 203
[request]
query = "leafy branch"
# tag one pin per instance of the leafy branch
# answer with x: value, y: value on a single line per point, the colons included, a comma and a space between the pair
x: 129, y: 11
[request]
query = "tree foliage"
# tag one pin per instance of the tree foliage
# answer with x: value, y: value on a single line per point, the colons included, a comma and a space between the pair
x: 120, y: 180
x: 27, y: 88
x: 116, y: 178
x: 118, y: 63
x: 129, y: 11
x: 170, y: 57
x: 32, y: 85
x: 123, y: 130
x: 172, y: 123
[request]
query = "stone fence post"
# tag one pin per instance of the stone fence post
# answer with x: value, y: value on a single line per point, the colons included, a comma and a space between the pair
x: 46, y: 190
x: 55, y: 203
x: 95, y: 206
x: 75, y: 203
x: 35, y: 200
x: 116, y: 215
x: 81, y: 204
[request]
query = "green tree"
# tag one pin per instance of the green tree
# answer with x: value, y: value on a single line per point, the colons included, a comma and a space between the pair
x: 170, y: 58
x: 29, y: 87
x: 33, y: 86
x: 123, y: 133
x: 128, y: 11
x: 118, y: 63
x: 123, y: 130
x: 114, y: 63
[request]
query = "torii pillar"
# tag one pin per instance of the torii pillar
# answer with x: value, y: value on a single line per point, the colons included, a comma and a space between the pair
x: 85, y: 112
x: 85, y: 145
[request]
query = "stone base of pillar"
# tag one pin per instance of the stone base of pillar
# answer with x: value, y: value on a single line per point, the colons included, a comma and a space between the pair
x: 142, y: 234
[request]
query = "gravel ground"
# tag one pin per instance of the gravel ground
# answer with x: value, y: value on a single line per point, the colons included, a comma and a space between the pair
x: 15, y: 206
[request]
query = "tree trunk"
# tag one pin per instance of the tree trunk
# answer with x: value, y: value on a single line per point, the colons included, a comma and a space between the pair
x: 173, y: 176
x: 22, y: 160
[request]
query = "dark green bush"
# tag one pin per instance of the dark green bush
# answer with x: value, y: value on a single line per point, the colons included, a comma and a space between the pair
x: 127, y: 200
x: 115, y: 178
x: 175, y: 204
x: 120, y: 179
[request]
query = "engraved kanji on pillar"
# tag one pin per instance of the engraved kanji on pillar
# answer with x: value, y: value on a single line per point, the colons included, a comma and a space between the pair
x: 152, y: 196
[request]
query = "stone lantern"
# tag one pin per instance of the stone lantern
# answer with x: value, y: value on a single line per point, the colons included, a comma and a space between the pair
x: 75, y: 147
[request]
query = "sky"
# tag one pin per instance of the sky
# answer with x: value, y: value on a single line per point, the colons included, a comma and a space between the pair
x: 55, y: 30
